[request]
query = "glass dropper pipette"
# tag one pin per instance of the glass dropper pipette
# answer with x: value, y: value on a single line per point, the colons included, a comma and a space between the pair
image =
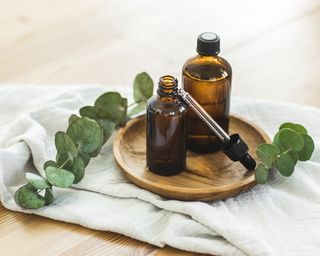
x: 233, y: 146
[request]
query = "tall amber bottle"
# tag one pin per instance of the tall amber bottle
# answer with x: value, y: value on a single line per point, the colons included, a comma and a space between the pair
x: 166, y: 129
x: 207, y: 77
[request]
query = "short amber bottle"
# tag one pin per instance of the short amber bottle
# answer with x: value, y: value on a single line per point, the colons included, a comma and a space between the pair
x: 207, y: 77
x: 166, y: 129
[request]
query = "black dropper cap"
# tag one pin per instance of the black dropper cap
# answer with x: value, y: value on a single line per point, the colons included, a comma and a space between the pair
x: 208, y: 44
x: 237, y: 150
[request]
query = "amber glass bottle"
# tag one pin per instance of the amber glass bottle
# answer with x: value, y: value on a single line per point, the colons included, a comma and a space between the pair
x: 166, y: 129
x: 207, y: 77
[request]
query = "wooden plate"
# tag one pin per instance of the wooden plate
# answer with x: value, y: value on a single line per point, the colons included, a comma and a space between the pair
x: 207, y: 176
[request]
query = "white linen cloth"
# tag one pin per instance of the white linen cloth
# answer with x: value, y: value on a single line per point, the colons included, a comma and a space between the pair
x: 279, y: 218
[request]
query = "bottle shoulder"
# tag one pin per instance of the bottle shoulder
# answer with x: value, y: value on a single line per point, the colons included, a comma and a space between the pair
x: 210, y: 68
x: 168, y: 107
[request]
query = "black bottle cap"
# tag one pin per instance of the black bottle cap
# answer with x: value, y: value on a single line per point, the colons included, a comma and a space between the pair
x: 208, y: 44
x: 237, y: 150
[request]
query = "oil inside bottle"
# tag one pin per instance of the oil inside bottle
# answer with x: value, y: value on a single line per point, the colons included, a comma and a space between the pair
x: 207, y: 77
x: 166, y: 129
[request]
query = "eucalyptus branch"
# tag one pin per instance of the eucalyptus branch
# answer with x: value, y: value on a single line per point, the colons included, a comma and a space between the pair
x: 82, y: 141
x: 290, y: 145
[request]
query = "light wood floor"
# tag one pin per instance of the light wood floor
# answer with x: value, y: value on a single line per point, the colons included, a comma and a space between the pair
x: 273, y: 47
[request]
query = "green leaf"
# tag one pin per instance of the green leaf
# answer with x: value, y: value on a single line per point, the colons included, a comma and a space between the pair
x: 48, y: 196
x: 139, y: 107
x: 277, y: 143
x: 142, y: 87
x: 111, y: 106
x: 50, y: 163
x: 88, y: 111
x: 107, y: 125
x: 76, y: 166
x: 65, y: 144
x: 306, y: 152
x: 290, y: 139
x: 30, y: 187
x: 27, y: 197
x: 268, y: 154
x: 36, y: 181
x: 296, y: 127
x: 96, y: 152
x: 64, y: 161
x: 285, y: 164
x: 108, y: 128
x: 261, y: 174
x: 123, y: 118
x: 59, y: 177
x: 73, y: 118
x: 78, y: 169
x: 85, y: 158
x: 86, y: 134
x: 294, y: 156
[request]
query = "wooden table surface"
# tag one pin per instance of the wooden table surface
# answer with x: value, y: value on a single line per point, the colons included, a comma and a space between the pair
x: 273, y: 47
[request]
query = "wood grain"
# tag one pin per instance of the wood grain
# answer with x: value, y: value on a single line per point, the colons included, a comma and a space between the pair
x: 207, y: 177
x: 273, y: 47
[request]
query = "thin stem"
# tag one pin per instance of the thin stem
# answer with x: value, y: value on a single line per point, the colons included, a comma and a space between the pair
x: 65, y: 162
x: 284, y: 152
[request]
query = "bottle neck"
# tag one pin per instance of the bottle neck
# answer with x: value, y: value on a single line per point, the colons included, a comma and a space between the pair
x: 167, y: 87
x: 208, y: 56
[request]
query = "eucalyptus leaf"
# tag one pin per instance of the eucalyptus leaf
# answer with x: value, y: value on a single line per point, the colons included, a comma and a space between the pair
x: 64, y: 161
x: 306, y: 152
x: 78, y: 169
x: 86, y: 134
x: 277, y: 143
x: 48, y: 196
x: 138, y: 108
x: 290, y: 139
x: 30, y: 187
x: 97, y: 151
x: 59, y: 177
x: 65, y: 145
x: 261, y: 174
x: 108, y: 128
x: 268, y: 154
x: 50, y: 163
x: 27, y: 197
x: 107, y: 125
x: 76, y: 166
x: 37, y: 181
x: 111, y: 106
x: 123, y: 118
x: 285, y: 164
x: 73, y: 118
x: 142, y: 87
x: 296, y: 127
x: 88, y: 111
x: 294, y: 156
x: 85, y: 158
